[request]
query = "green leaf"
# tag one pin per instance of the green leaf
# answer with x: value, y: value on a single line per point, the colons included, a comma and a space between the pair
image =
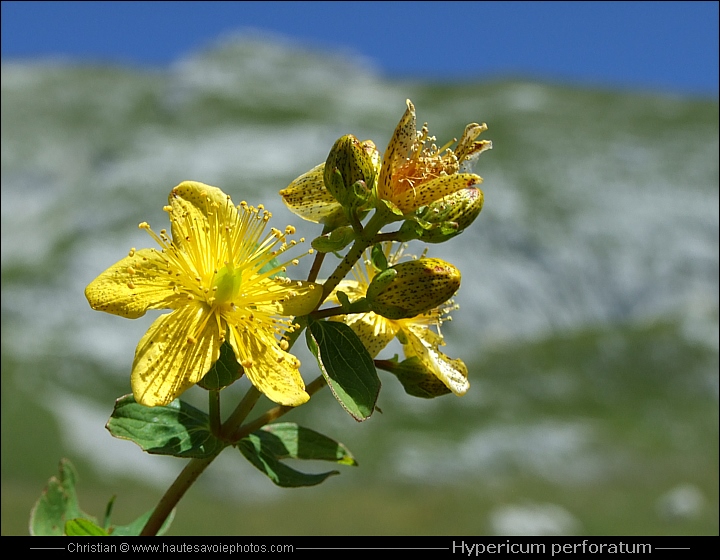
x: 223, y: 372
x: 57, y: 504
x: 287, y: 440
x: 261, y: 454
x: 135, y: 528
x: 83, y: 528
x: 346, y: 366
x: 177, y: 429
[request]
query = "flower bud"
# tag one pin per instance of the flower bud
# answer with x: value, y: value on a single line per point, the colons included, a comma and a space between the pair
x: 350, y: 166
x: 446, y: 217
x: 411, y: 288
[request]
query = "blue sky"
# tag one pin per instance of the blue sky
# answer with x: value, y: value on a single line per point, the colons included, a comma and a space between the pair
x: 657, y: 46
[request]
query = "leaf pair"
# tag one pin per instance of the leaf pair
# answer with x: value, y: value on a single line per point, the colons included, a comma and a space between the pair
x: 181, y: 430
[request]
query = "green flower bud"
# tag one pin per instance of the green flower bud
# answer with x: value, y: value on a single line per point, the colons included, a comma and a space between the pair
x: 411, y: 288
x: 447, y: 217
x: 350, y: 170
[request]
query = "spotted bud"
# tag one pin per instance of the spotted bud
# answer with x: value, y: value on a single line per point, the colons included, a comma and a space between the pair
x: 445, y: 218
x: 411, y: 288
x: 350, y: 170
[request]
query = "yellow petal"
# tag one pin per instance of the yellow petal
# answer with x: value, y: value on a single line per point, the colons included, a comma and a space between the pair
x: 375, y: 332
x: 397, y: 150
x: 272, y: 371
x: 193, y: 205
x: 423, y: 343
x: 176, y: 352
x: 353, y: 289
x: 433, y: 190
x: 300, y: 298
x: 308, y: 198
x: 133, y: 285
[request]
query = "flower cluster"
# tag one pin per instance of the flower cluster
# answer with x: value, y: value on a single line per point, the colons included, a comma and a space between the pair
x: 218, y: 271
x: 432, y: 191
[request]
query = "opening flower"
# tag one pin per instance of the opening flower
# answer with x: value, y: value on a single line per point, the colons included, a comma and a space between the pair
x: 420, y: 343
x: 415, y: 172
x: 218, y: 275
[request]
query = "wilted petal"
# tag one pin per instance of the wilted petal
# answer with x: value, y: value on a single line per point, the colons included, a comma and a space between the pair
x: 424, y: 343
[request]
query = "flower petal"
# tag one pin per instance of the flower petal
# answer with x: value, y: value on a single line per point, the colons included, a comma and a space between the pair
x: 300, y: 298
x: 397, y: 150
x: 374, y: 331
x: 308, y: 198
x: 193, y: 205
x: 135, y: 284
x: 423, y: 343
x: 271, y: 370
x: 433, y: 190
x: 176, y: 352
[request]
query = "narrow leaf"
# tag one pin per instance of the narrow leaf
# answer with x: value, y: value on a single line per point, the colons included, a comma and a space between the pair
x: 346, y: 366
x: 177, y: 429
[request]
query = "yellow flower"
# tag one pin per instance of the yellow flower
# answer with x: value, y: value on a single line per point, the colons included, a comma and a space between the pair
x: 216, y: 275
x: 415, y: 334
x: 414, y: 175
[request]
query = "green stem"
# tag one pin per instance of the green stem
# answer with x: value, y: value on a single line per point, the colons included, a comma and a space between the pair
x: 319, y: 258
x: 242, y: 411
x: 315, y: 269
x: 177, y: 490
x: 214, y: 412
x: 274, y: 413
x: 329, y: 312
x: 378, y: 220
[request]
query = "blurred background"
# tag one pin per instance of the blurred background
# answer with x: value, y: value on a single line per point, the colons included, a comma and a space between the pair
x: 589, y: 306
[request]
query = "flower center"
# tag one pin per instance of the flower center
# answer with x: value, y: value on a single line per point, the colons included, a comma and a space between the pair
x: 226, y: 284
